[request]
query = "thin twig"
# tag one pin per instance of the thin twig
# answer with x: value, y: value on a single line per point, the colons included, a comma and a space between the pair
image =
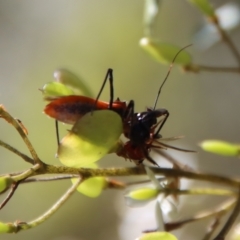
x: 26, y: 174
x: 223, y: 209
x: 14, y: 150
x: 26, y: 225
x: 49, y: 179
x: 212, y: 228
x: 222, y: 234
x: 10, y: 194
x: 199, y: 191
x: 198, y: 68
x: 4, y: 114
x: 228, y: 41
x: 114, y: 184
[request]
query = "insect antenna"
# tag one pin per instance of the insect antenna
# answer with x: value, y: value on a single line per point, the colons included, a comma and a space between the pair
x: 169, y: 70
x: 166, y: 146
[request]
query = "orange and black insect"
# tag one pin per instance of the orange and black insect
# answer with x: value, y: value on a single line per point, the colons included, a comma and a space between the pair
x: 142, y: 129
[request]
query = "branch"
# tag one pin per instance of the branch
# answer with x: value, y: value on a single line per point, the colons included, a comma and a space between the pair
x: 223, y: 209
x: 28, y: 173
x: 14, y: 150
x: 230, y: 221
x: 10, y: 194
x: 4, y: 114
x: 49, y: 179
x: 228, y: 41
x: 197, y: 68
x: 27, y: 225
x: 212, y: 227
x: 113, y: 172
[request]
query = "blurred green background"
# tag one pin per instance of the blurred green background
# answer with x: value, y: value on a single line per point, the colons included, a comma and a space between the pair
x: 88, y: 37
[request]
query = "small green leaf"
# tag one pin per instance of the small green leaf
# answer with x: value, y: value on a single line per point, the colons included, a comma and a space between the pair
x: 221, y: 148
x: 92, y: 187
x: 158, y: 236
x: 5, y: 183
x: 143, y: 194
x: 7, y: 227
x: 165, y: 52
x: 56, y: 89
x: 68, y: 78
x: 92, y: 137
x: 204, y: 6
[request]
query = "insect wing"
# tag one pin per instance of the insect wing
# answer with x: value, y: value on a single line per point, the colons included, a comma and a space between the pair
x: 69, y: 109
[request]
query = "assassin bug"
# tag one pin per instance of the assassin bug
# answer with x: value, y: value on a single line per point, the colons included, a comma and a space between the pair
x: 141, y: 129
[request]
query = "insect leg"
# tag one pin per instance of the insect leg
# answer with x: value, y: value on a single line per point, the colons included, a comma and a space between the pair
x: 109, y: 75
x: 149, y: 158
x: 57, y: 132
x: 129, y: 110
x: 165, y: 113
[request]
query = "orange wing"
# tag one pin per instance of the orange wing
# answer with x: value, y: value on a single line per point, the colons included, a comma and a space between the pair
x: 69, y: 109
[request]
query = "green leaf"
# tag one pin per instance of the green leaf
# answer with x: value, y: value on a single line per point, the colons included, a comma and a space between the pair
x: 56, y: 89
x: 204, y: 6
x: 91, y: 187
x: 165, y: 52
x: 143, y: 194
x: 92, y: 137
x: 221, y: 148
x: 158, y: 236
x: 69, y: 79
x: 5, y: 183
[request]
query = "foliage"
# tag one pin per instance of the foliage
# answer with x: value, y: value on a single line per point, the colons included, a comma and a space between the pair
x: 97, y: 132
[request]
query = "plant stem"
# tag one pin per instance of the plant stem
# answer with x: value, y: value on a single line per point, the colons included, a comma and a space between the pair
x: 199, y: 191
x: 212, y: 228
x: 197, y: 68
x: 228, y: 41
x: 10, y: 194
x: 48, y: 179
x: 30, y: 172
x: 14, y: 150
x: 223, y: 209
x: 113, y: 172
x: 230, y: 221
x: 51, y: 211
x: 4, y: 114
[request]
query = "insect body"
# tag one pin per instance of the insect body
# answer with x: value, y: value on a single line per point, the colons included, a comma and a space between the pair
x: 141, y: 129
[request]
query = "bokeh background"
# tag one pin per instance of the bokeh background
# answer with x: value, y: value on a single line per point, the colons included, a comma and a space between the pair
x: 87, y: 37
